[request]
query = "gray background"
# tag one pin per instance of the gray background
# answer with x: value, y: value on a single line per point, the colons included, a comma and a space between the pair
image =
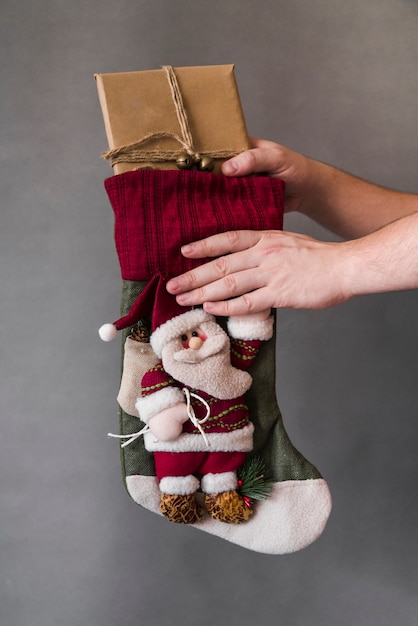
x: 334, y: 79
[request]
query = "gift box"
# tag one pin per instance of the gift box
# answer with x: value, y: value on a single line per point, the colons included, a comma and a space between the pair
x: 172, y: 117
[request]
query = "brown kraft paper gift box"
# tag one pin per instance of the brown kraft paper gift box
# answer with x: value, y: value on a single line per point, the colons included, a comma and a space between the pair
x: 137, y: 104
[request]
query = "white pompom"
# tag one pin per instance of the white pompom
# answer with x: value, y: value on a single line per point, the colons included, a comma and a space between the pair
x: 108, y: 332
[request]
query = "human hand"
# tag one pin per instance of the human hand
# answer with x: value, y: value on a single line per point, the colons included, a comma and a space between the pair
x: 267, y: 157
x: 258, y: 270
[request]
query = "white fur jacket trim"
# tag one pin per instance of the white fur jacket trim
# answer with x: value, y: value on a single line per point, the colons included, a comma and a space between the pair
x: 240, y: 440
x: 251, y: 330
x: 148, y: 406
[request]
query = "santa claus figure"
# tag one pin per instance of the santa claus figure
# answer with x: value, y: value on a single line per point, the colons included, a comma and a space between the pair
x: 193, y: 402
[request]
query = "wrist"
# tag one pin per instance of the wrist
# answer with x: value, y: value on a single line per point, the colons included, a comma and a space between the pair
x: 350, y: 269
x: 362, y: 272
x: 320, y: 181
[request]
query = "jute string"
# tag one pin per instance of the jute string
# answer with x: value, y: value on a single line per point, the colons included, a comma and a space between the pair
x: 134, y: 152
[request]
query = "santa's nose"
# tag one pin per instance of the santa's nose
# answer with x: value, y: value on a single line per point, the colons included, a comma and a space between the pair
x: 195, y: 343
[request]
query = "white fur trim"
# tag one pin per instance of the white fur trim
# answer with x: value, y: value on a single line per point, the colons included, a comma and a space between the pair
x: 144, y: 490
x: 251, y: 330
x: 217, y: 483
x: 240, y: 440
x: 179, y: 485
x: 176, y: 327
x: 108, y: 332
x: 292, y: 517
x: 148, y: 406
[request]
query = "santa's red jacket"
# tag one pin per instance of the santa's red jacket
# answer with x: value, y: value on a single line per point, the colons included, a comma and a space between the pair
x: 228, y: 427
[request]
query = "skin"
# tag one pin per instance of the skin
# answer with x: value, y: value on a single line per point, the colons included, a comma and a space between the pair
x: 257, y: 270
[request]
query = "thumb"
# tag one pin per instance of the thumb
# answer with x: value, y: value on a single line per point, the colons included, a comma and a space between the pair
x: 242, y: 164
x: 264, y: 157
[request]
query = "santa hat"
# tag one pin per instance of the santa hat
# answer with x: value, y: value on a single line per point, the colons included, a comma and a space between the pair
x: 169, y: 319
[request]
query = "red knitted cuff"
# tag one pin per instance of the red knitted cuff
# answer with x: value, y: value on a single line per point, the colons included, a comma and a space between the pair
x: 158, y: 211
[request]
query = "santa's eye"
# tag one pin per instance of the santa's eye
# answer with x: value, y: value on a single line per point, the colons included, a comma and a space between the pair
x: 184, y: 337
x: 195, y: 333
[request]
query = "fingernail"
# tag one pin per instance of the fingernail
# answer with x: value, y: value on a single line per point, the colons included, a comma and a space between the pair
x: 183, y: 298
x: 187, y: 249
x: 230, y: 167
x: 172, y: 284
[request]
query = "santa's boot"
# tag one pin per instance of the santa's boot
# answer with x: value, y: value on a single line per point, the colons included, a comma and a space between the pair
x: 181, y: 509
x: 178, y: 499
x: 228, y: 507
x: 222, y: 500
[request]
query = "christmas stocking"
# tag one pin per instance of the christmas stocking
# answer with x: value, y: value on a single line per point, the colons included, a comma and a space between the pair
x: 202, y: 438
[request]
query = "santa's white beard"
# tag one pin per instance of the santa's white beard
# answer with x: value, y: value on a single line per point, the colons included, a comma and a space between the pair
x: 209, y: 371
x: 211, y: 346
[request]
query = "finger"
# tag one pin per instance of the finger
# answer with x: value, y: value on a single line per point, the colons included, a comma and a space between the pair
x: 265, y: 157
x: 230, y: 286
x: 253, y: 302
x: 239, y: 164
x: 221, y: 243
x: 242, y: 164
x: 204, y: 275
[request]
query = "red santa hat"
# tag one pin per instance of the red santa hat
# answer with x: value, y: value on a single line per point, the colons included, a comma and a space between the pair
x: 169, y: 319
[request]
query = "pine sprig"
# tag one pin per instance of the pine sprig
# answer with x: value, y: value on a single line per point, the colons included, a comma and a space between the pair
x: 255, y: 480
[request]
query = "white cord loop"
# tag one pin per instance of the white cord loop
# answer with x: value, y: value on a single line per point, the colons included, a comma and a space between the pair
x: 190, y: 412
x: 192, y: 417
x: 130, y: 438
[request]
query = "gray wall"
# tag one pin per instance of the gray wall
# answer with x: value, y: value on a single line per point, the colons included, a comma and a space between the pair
x: 334, y: 79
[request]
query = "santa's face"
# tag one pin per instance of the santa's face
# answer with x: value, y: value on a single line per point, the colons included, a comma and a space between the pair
x: 197, y: 344
x: 194, y: 347
x: 193, y: 339
x: 200, y: 358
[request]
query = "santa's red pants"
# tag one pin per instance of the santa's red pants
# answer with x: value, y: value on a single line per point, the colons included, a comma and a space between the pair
x: 196, y: 463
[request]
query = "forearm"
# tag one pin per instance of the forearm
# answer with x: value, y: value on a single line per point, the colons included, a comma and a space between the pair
x: 385, y: 260
x: 349, y: 206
